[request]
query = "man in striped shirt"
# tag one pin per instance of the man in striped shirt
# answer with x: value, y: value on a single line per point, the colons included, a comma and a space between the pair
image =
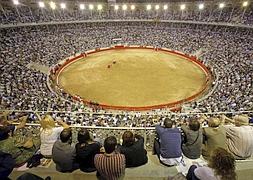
x: 111, y: 164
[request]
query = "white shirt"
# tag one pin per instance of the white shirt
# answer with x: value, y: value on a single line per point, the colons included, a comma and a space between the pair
x: 48, y: 138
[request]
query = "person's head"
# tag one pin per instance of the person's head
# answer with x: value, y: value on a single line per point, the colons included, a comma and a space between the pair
x: 128, y: 138
x: 168, y: 123
x: 223, y: 164
x: 241, y: 120
x: 110, y: 144
x: 4, y: 132
x: 214, y: 122
x: 47, y: 122
x: 66, y: 135
x: 194, y: 125
x: 83, y: 136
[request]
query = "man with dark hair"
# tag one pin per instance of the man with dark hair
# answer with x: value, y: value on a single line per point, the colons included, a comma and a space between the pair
x: 193, y: 139
x: 86, y: 149
x: 133, y: 149
x: 63, y: 153
x: 111, y: 164
x: 168, y: 144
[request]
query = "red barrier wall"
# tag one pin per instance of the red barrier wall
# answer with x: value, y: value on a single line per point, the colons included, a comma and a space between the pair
x: 174, y: 106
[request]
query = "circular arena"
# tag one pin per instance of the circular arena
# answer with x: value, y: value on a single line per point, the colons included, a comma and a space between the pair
x: 134, y: 78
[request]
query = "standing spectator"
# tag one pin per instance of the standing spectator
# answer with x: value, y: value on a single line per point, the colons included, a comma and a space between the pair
x: 239, y: 138
x: 193, y: 138
x: 63, y: 153
x: 86, y: 149
x: 214, y: 137
x: 111, y: 164
x: 168, y: 145
x: 221, y: 166
x: 49, y: 134
x: 133, y: 149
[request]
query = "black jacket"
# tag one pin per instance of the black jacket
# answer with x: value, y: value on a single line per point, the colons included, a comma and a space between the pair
x: 135, y: 153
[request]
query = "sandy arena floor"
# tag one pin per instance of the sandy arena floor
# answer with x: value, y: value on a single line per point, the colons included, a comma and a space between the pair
x: 140, y: 77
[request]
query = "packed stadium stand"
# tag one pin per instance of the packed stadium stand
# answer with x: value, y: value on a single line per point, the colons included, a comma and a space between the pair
x: 37, y: 37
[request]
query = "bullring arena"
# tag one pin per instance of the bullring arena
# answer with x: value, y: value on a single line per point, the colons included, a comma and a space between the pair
x: 134, y: 78
x: 113, y: 66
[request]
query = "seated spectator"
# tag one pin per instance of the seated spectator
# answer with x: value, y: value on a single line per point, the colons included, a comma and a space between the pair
x: 110, y: 165
x: 221, y: 166
x: 21, y: 146
x: 86, y: 149
x: 133, y: 149
x: 214, y: 137
x: 6, y: 128
x: 7, y: 164
x: 63, y: 153
x: 239, y: 138
x: 193, y: 138
x: 168, y: 145
x: 49, y: 134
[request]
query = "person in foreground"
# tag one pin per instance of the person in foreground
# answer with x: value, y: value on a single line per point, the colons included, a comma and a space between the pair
x: 168, y: 145
x: 63, y: 153
x: 191, y: 146
x: 86, y: 149
x: 49, y: 134
x: 221, y: 166
x: 239, y: 138
x: 110, y: 165
x: 133, y: 149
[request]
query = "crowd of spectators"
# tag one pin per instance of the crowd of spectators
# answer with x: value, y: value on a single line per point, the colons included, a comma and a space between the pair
x: 232, y: 12
x: 228, y: 53
x: 229, y: 139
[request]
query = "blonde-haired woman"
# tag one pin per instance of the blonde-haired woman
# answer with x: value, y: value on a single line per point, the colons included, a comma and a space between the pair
x: 49, y: 134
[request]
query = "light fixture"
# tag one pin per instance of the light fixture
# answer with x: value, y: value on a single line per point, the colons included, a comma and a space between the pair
x: 116, y: 7
x: 132, y: 7
x: 82, y: 6
x: 221, y: 5
x: 124, y: 7
x: 52, y: 5
x: 182, y: 6
x: 41, y: 4
x: 100, y: 7
x: 245, y: 3
x: 149, y: 7
x: 63, y: 5
x: 165, y: 7
x: 157, y: 7
x: 201, y: 6
x: 91, y: 6
x: 16, y: 2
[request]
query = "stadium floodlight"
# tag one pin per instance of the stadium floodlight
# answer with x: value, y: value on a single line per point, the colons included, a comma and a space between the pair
x: 221, y: 5
x: 100, y: 7
x: 16, y: 2
x: 63, y: 5
x: 165, y: 7
x: 201, y: 6
x: 182, y: 7
x: 124, y: 7
x: 52, y: 5
x: 245, y: 3
x: 91, y: 6
x: 116, y: 7
x: 157, y: 7
x: 41, y: 4
x: 82, y: 6
x: 149, y: 7
x: 132, y: 7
